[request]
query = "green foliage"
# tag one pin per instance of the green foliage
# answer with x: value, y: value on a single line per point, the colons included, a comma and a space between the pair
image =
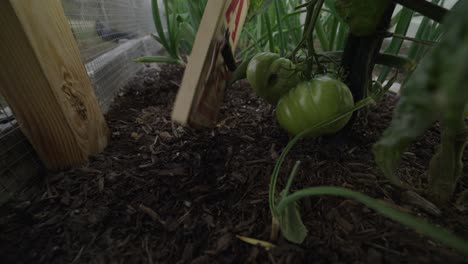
x: 402, y: 25
x: 287, y: 213
x: 362, y: 16
x: 437, y: 233
x: 291, y: 225
x: 436, y: 91
x: 177, y: 31
x: 257, y: 7
x: 429, y: 31
x: 274, y: 26
x: 433, y: 92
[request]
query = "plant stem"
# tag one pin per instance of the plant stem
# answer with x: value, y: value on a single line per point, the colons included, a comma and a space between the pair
x: 280, y: 28
x: 359, y: 59
x: 271, y: 43
x: 446, y: 166
x: 291, y: 179
x: 309, y: 37
x: 275, y: 228
x: 307, y: 30
x: 333, y: 32
x: 421, y: 226
x: 402, y: 27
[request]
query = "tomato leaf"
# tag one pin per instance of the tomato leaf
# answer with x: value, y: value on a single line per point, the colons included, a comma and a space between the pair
x: 436, y: 91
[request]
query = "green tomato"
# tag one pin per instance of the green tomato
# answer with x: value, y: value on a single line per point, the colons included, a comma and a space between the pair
x: 313, y: 102
x: 362, y: 16
x: 271, y: 76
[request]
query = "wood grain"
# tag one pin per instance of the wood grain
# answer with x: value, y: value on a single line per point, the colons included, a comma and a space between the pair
x: 45, y: 83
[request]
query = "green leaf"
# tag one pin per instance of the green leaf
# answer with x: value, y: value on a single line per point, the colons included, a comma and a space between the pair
x: 436, y: 90
x: 258, y: 7
x: 158, y: 23
x: 292, y: 227
x: 271, y: 43
x: 423, y: 29
x: 280, y: 27
x: 187, y: 34
x: 437, y: 233
x: 158, y: 39
x: 322, y: 36
x: 402, y: 27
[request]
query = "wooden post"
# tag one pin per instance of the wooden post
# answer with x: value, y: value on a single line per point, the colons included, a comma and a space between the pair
x: 46, y: 85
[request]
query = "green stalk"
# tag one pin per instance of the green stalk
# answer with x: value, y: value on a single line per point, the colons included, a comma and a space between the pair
x: 341, y: 36
x: 265, y: 36
x: 269, y: 34
x: 287, y: 21
x: 291, y: 179
x: 258, y: 27
x: 171, y: 50
x: 280, y: 28
x: 322, y: 36
x: 421, y: 226
x: 333, y: 32
x: 395, y: 46
x: 446, y: 166
x: 158, y: 24
x: 423, y: 30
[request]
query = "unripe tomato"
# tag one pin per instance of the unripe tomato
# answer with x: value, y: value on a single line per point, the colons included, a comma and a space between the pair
x: 362, y: 16
x: 271, y: 76
x: 312, y: 102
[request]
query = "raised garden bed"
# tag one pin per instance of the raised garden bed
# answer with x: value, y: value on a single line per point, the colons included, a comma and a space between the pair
x: 161, y: 193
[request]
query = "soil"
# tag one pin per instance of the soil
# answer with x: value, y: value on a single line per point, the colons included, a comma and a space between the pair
x: 162, y: 193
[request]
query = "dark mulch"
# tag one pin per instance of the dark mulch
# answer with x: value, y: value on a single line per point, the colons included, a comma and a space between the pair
x: 161, y: 193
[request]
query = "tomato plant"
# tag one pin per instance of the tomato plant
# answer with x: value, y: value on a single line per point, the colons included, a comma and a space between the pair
x: 435, y: 91
x: 323, y: 105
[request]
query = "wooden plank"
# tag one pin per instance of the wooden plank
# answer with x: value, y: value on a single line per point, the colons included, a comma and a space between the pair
x: 45, y: 83
x: 202, y: 90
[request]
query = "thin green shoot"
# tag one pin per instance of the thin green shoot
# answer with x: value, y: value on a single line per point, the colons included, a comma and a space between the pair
x: 274, y: 178
x: 419, y: 225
